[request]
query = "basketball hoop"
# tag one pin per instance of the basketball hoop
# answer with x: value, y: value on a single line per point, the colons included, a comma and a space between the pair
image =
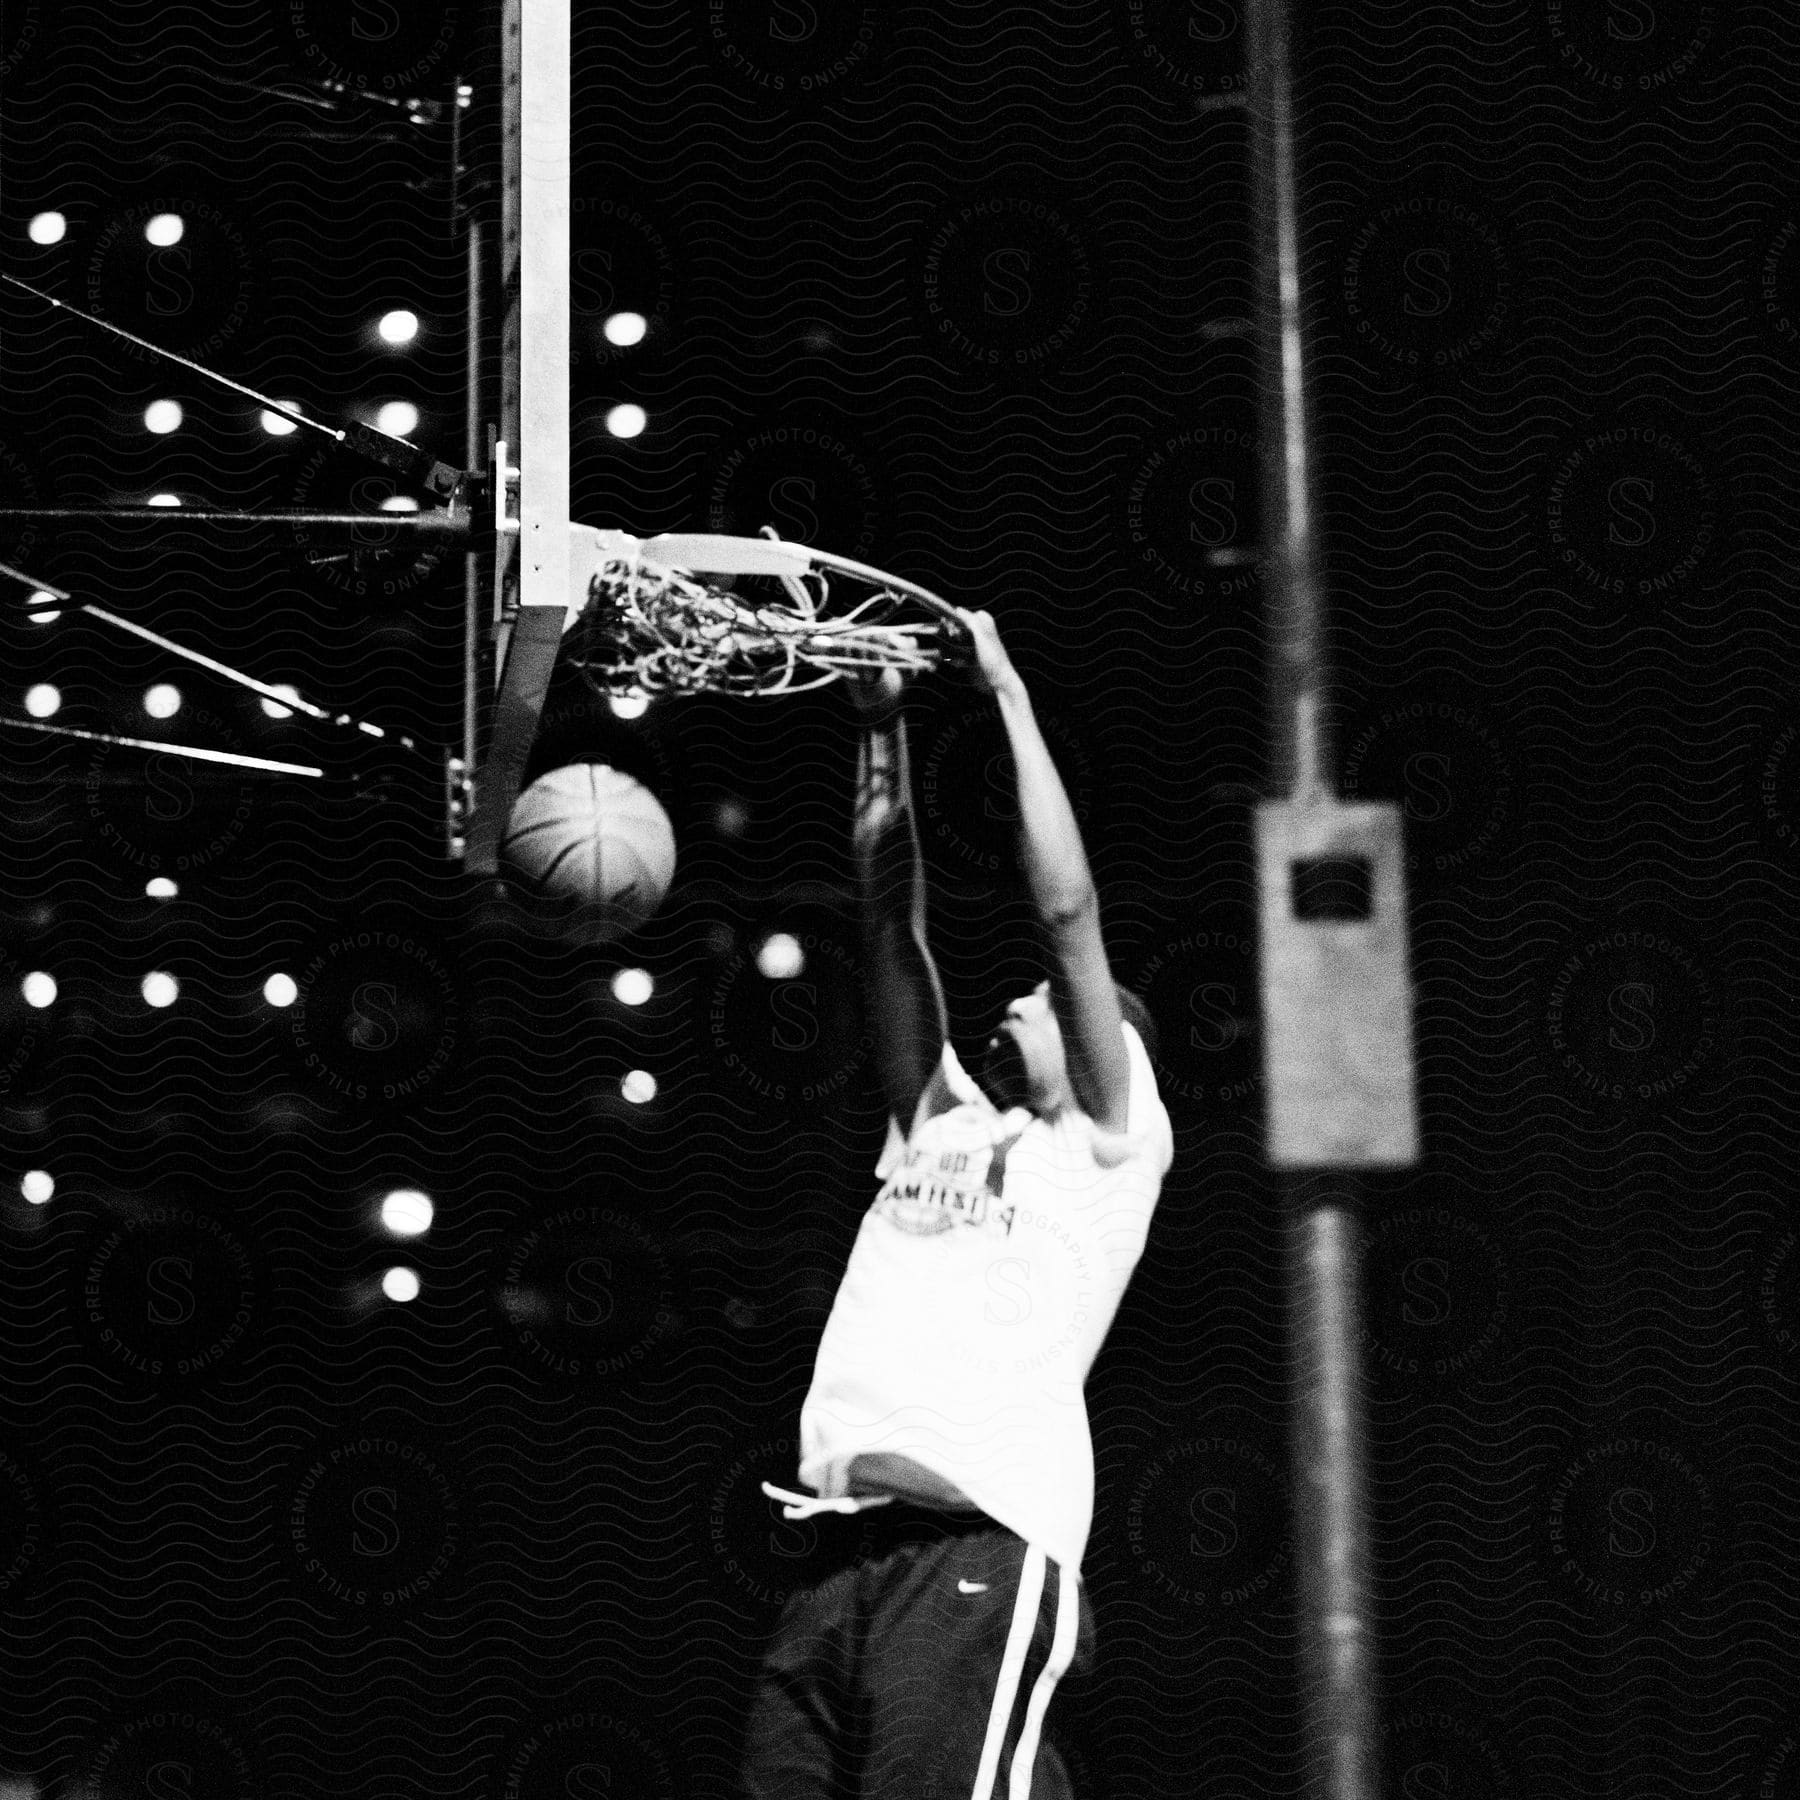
x: 689, y: 613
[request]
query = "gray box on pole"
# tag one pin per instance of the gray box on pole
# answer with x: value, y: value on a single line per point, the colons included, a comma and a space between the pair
x: 1336, y: 991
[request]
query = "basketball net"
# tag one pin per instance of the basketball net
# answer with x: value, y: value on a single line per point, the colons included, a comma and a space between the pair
x: 699, y: 613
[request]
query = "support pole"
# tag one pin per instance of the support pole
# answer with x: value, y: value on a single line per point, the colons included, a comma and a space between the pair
x: 1328, y: 1456
x: 1301, y: 762
x: 1335, y: 989
x: 473, y: 453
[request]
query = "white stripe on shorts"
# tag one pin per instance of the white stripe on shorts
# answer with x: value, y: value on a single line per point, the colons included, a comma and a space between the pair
x: 1062, y: 1650
x: 1012, y: 1666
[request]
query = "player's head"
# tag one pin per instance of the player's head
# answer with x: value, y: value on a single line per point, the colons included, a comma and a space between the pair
x: 1025, y: 1063
x: 1137, y: 1015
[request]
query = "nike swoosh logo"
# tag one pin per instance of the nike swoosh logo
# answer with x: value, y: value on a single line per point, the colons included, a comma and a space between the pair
x: 971, y: 1587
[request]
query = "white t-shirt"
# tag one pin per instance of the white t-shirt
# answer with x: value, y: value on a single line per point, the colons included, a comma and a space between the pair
x: 979, y: 1290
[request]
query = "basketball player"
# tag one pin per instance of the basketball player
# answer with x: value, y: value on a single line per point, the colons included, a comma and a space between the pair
x: 946, y: 1413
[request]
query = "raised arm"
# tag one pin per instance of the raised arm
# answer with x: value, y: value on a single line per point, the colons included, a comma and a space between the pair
x: 1062, y: 889
x: 905, y: 997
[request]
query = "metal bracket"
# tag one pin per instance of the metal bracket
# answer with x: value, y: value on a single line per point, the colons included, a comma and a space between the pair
x: 1336, y: 989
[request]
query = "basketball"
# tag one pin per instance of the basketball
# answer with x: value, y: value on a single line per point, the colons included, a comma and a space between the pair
x: 588, y: 832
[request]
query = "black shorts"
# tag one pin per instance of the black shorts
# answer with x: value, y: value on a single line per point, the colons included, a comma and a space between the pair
x: 921, y: 1668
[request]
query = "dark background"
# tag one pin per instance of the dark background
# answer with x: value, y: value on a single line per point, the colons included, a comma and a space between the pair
x: 959, y: 293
